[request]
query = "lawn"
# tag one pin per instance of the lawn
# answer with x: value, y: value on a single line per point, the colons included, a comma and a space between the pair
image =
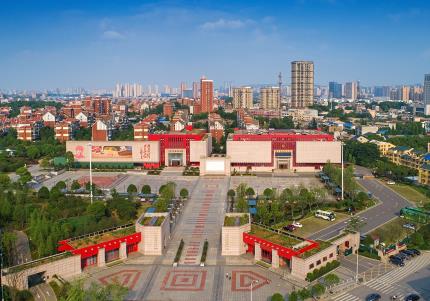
x: 230, y: 221
x: 392, y: 231
x: 274, y: 237
x: 410, y: 193
x: 314, y: 224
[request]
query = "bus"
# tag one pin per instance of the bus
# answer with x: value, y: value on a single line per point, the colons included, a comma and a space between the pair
x: 327, y: 215
x: 415, y: 214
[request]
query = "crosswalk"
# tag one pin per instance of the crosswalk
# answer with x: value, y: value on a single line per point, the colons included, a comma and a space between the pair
x: 389, y: 283
x: 345, y: 296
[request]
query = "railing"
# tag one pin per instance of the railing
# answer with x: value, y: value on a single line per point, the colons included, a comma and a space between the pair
x: 350, y: 283
x: 102, y: 231
x: 279, y: 231
x: 36, y: 262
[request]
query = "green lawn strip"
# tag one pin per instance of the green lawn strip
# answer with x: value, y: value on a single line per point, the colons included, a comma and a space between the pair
x: 392, y: 232
x: 411, y: 194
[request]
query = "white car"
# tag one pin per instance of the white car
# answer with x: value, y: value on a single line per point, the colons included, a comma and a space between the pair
x: 391, y: 183
x: 297, y: 224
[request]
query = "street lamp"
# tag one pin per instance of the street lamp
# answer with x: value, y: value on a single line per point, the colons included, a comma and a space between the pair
x: 341, y: 154
x: 252, y: 283
x: 90, y: 145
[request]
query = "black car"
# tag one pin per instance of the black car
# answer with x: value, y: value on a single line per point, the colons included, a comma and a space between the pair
x: 397, y: 261
x: 412, y: 297
x: 417, y: 252
x: 408, y: 252
x: 402, y: 256
x: 373, y: 297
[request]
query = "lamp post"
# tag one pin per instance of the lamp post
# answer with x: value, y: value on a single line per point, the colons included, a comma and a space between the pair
x: 341, y: 154
x: 90, y: 145
x: 252, y: 283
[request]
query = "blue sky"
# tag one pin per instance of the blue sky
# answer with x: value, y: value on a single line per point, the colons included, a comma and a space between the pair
x: 93, y: 44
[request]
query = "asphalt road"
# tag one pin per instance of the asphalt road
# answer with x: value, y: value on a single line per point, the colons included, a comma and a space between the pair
x: 388, y: 208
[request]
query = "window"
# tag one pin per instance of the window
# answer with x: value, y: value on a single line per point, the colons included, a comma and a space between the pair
x: 311, y: 266
x: 325, y: 258
x: 318, y: 262
x: 331, y: 255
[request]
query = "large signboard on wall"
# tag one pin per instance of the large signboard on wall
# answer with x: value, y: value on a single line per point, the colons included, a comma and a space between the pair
x: 115, y: 151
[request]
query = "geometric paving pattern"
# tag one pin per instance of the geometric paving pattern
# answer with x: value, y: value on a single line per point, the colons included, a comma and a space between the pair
x: 127, y: 278
x: 241, y: 281
x: 184, y: 280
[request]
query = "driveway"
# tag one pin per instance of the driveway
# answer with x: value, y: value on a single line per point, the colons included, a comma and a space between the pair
x: 388, y: 208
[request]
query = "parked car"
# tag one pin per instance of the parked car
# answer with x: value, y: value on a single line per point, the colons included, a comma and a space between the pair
x: 373, y: 297
x: 391, y: 183
x: 297, y: 224
x: 402, y: 256
x: 417, y: 252
x: 408, y: 252
x: 289, y: 228
x: 410, y: 226
x: 397, y: 261
x: 412, y: 297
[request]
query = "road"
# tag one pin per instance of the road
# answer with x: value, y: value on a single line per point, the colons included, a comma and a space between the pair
x: 22, y: 248
x: 43, y: 292
x: 414, y: 277
x: 388, y: 208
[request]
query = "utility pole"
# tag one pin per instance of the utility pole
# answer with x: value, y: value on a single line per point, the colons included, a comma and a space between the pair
x: 252, y: 283
x: 90, y: 145
x: 341, y: 154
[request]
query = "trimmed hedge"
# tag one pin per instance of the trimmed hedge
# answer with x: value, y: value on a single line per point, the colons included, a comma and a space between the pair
x: 179, y: 251
x: 317, y: 273
x: 205, y: 251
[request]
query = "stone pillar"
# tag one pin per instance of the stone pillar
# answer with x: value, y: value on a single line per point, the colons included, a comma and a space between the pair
x: 257, y: 251
x: 101, y: 257
x: 123, y: 250
x: 275, y: 259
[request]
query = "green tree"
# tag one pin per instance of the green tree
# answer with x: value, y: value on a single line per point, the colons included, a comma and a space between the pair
x: 268, y: 193
x: 250, y: 192
x: 354, y: 224
x: 43, y: 193
x: 146, y: 189
x: 61, y: 185
x: 304, y: 294
x: 4, y: 180
x: 8, y: 241
x: 231, y: 194
x: 70, y: 159
x: 24, y: 175
x: 33, y: 152
x: 97, y: 210
x: 131, y: 189
x: 242, y: 205
x: 277, y: 297
x: 241, y: 190
x: 318, y: 290
x: 331, y: 279
x: 183, y: 193
x: 75, y: 185
x: 293, y: 296
x: 55, y: 193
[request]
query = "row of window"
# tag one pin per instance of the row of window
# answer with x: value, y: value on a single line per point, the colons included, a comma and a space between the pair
x: 311, y: 266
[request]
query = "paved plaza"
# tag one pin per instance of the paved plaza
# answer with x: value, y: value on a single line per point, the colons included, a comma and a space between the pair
x: 164, y: 282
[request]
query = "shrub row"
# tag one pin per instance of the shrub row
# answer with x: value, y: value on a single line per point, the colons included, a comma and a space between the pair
x: 205, y: 251
x: 315, y: 274
x: 179, y: 251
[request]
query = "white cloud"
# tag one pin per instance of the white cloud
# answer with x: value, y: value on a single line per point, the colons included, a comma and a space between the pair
x: 112, y: 35
x: 225, y: 24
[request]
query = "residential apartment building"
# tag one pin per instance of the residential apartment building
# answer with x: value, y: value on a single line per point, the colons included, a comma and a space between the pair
x: 351, y: 90
x: 64, y: 131
x: 269, y: 98
x: 242, y: 97
x: 302, y: 84
x: 427, y: 89
x: 207, y: 95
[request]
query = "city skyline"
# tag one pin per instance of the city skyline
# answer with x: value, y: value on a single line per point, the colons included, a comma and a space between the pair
x: 126, y: 42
